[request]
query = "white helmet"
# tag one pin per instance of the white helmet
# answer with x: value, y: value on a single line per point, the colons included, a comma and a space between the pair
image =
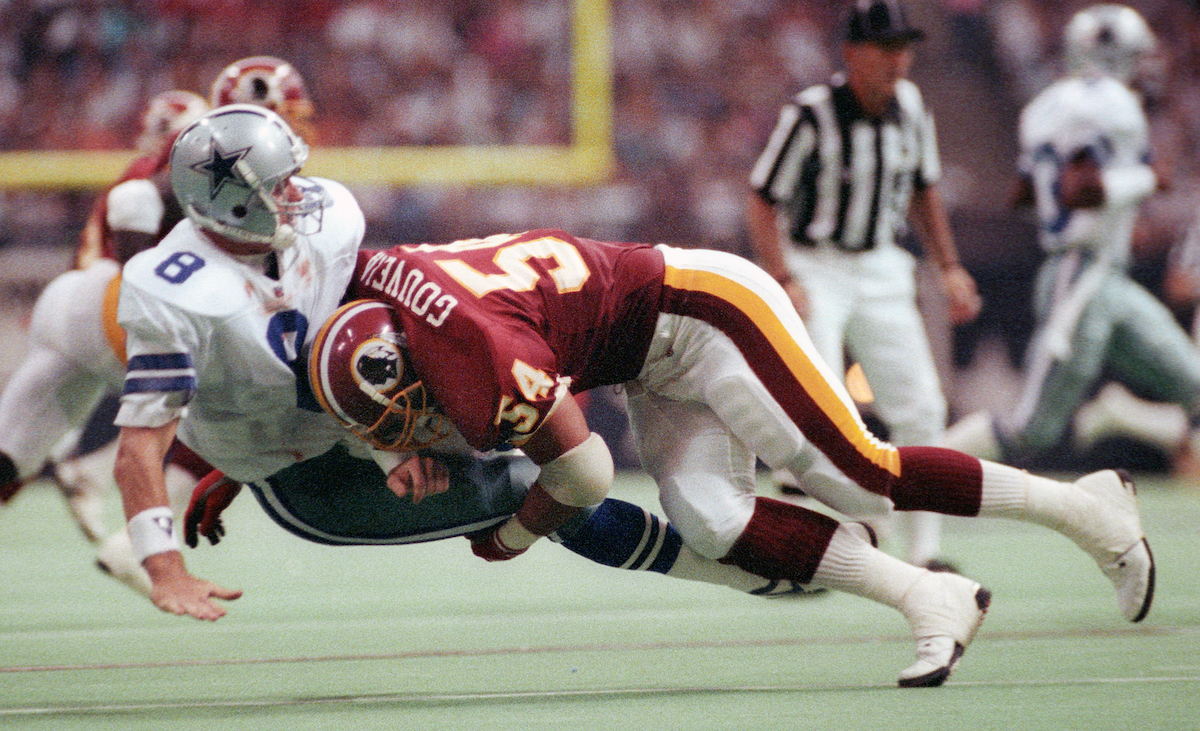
x: 1108, y: 39
x: 234, y: 173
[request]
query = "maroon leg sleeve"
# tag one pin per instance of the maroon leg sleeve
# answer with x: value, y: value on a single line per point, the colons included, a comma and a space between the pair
x: 782, y: 541
x: 939, y: 481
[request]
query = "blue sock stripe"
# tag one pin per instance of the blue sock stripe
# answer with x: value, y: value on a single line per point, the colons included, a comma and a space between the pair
x: 624, y: 535
x: 652, y: 542
x: 671, y: 542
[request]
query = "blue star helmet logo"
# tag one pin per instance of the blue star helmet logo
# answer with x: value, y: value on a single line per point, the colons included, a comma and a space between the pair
x: 221, y: 169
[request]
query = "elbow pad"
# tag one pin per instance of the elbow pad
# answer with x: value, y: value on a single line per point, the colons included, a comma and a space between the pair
x: 581, y: 476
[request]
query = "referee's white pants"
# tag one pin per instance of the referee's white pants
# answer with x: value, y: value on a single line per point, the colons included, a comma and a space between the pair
x: 865, y: 303
x: 68, y: 367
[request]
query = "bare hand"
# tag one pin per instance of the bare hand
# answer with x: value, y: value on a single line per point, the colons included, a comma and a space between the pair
x: 418, y: 477
x: 178, y: 592
x: 962, y: 297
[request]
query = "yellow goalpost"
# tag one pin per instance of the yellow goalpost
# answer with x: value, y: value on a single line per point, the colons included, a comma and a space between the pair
x: 587, y: 158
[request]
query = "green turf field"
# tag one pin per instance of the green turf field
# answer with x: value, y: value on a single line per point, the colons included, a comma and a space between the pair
x: 429, y: 637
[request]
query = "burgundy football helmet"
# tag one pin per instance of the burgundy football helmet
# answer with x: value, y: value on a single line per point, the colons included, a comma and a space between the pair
x: 362, y: 376
x: 165, y: 116
x: 267, y: 82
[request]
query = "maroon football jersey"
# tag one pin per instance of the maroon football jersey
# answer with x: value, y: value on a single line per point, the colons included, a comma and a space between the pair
x: 502, y: 328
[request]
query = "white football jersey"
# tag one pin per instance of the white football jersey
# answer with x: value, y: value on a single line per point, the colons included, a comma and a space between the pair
x: 1104, y: 116
x: 216, y: 341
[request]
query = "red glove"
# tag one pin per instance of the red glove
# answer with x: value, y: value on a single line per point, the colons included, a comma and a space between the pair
x: 212, y: 495
x: 488, y: 546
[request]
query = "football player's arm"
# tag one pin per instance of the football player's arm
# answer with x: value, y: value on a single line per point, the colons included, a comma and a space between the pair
x: 139, y: 475
x: 768, y: 250
x: 577, y: 472
x: 1085, y: 182
x: 135, y: 213
x: 929, y: 211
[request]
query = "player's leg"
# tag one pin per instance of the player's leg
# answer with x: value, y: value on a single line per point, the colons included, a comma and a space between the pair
x: 827, y: 277
x: 758, y: 364
x: 627, y: 536
x: 46, y: 398
x: 1152, y: 351
x: 68, y: 368
x: 706, y: 484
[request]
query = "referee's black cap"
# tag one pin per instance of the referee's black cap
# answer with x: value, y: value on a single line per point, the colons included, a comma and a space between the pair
x: 880, y: 21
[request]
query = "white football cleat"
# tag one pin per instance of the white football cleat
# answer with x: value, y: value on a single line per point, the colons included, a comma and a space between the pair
x: 944, y: 611
x: 115, y: 558
x: 1107, y: 526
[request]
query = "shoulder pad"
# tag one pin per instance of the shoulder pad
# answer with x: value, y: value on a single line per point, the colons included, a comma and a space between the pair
x: 186, y: 272
x: 135, y: 205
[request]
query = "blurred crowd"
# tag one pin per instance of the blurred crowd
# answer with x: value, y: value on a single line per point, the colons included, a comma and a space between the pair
x: 698, y: 84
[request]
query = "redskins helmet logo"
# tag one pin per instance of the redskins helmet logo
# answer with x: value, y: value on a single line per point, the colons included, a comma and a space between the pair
x: 377, y: 366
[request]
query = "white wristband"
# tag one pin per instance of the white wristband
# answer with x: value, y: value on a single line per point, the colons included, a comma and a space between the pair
x: 153, y: 531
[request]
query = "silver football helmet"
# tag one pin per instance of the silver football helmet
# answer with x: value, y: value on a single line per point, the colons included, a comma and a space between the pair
x: 1109, y: 39
x: 234, y: 173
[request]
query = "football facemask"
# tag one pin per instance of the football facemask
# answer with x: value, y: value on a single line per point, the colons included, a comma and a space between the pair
x: 362, y: 376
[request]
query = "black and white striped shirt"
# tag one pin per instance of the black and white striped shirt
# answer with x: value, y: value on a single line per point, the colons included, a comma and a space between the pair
x: 840, y: 177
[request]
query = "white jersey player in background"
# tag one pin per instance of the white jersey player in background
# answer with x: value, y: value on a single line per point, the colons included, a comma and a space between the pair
x: 1085, y: 159
x: 75, y: 349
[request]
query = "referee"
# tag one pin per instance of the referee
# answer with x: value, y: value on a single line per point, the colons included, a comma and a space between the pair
x: 848, y: 164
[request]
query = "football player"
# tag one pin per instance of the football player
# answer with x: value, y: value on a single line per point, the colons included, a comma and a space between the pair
x: 497, y: 333
x: 217, y: 316
x: 72, y: 361
x: 1085, y: 160
x: 77, y: 349
x: 129, y: 218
